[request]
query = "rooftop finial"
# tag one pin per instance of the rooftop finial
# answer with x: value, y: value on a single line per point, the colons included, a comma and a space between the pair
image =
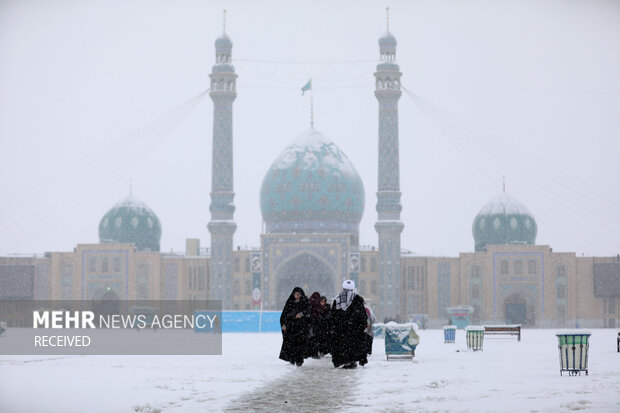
x: 224, y: 21
x: 503, y: 183
x: 387, y: 15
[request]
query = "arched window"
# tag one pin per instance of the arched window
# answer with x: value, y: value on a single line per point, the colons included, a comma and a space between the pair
x: 561, y: 270
x: 504, y: 267
x: 475, y: 271
x: 531, y: 267
x: 237, y: 264
x: 236, y: 287
x: 373, y: 287
x: 518, y: 267
x: 373, y: 264
x: 105, y: 265
x: 117, y: 264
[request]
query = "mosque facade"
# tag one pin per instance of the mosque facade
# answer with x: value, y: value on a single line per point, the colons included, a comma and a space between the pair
x: 312, y: 202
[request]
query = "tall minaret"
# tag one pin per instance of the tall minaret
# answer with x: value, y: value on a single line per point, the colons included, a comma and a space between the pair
x: 388, y: 226
x: 222, y: 225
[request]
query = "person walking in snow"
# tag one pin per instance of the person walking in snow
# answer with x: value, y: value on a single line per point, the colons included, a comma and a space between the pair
x: 349, y: 322
x: 294, y: 323
x: 319, y: 327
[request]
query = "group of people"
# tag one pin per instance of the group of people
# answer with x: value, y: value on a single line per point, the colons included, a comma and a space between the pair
x: 313, y: 328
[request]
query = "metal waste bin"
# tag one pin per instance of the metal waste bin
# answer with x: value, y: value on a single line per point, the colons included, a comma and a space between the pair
x: 573, y: 347
x: 449, y: 334
x: 475, y: 337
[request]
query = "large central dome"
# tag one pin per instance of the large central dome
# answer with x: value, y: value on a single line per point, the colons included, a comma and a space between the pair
x: 312, y: 187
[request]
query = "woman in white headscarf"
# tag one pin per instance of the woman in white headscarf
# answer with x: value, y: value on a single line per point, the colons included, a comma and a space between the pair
x: 348, y: 324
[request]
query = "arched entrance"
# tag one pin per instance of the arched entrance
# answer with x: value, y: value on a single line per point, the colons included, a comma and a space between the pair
x: 107, y: 304
x: 308, y: 272
x: 516, y: 311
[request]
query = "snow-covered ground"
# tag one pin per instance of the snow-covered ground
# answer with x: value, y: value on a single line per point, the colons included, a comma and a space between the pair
x: 508, y: 376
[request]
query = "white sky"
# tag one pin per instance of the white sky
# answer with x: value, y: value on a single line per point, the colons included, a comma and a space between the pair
x: 532, y: 87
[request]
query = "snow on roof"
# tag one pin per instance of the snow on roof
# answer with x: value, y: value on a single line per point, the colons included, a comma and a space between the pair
x: 504, y: 204
x: 313, y: 149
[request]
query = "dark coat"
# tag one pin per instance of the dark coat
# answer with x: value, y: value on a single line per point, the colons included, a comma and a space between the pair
x: 349, y: 337
x: 295, y: 337
x: 319, y: 340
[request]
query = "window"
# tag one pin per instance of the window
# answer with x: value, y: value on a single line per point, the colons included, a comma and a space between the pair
x: 117, y: 264
x: 362, y: 264
x: 561, y: 291
x: 247, y: 264
x: 531, y: 267
x: 475, y: 292
x: 373, y: 264
x: 518, y: 267
x: 237, y: 265
x: 92, y: 264
x: 201, y: 278
x: 410, y: 278
x: 248, y: 287
x: 105, y: 265
x: 475, y: 271
x: 373, y: 287
x: 561, y: 270
x: 362, y: 286
x: 236, y: 288
x: 143, y: 287
x: 504, y: 267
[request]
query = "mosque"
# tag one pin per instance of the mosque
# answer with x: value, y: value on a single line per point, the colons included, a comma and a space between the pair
x: 312, y: 201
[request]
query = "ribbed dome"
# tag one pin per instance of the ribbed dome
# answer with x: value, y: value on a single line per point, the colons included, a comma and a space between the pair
x: 131, y: 221
x: 312, y: 187
x: 503, y: 221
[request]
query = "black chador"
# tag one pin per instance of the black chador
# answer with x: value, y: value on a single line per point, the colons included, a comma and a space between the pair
x: 294, y: 324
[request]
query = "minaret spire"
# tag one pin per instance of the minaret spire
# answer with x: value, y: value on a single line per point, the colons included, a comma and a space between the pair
x: 222, y: 225
x: 388, y: 225
x: 387, y: 16
x: 503, y: 183
x: 224, y: 23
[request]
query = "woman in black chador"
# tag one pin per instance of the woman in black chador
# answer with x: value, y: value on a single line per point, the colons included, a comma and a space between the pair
x: 294, y: 323
x: 349, y: 324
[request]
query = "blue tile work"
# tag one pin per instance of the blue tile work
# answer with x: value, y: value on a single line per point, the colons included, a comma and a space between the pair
x: 94, y: 283
x: 512, y: 282
x: 388, y: 226
x: 331, y: 249
x: 443, y: 289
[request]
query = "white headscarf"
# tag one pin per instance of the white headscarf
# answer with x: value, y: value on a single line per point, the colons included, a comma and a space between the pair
x: 344, y: 299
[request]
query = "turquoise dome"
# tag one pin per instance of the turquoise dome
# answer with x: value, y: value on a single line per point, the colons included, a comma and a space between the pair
x: 503, y: 221
x: 131, y: 221
x: 312, y: 187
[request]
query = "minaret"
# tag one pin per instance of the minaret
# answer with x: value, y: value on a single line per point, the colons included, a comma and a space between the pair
x: 388, y: 226
x: 222, y: 225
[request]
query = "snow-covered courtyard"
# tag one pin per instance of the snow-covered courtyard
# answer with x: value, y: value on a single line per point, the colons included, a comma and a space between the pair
x: 507, y: 376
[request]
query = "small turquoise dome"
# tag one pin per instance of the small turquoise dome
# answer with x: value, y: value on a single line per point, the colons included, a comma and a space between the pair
x: 312, y: 187
x: 223, y: 42
x: 388, y: 40
x: 503, y: 221
x: 131, y: 221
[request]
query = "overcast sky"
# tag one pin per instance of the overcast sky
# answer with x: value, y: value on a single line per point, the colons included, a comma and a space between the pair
x: 95, y: 94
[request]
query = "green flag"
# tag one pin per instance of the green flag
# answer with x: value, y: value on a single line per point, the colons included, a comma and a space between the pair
x: 308, y: 86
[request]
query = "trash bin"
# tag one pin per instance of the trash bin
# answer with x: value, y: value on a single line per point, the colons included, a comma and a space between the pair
x: 475, y: 337
x: 401, y: 340
x: 573, y: 347
x: 449, y: 334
